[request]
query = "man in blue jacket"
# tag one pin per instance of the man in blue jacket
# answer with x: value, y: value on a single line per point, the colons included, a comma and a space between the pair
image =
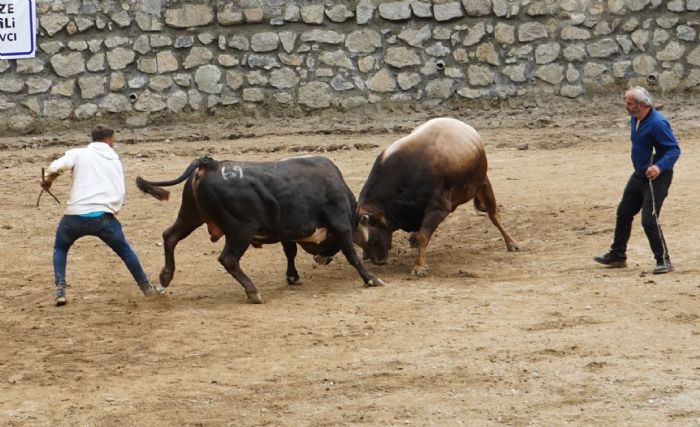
x: 654, y: 152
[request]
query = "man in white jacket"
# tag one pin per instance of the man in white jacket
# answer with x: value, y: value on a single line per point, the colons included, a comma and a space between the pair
x: 96, y: 197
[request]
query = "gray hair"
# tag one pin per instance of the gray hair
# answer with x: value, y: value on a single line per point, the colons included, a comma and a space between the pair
x: 640, y: 95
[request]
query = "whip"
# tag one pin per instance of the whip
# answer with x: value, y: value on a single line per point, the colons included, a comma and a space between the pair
x: 41, y: 193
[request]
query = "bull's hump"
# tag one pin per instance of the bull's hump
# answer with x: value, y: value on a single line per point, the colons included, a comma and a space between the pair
x: 396, y: 146
x: 442, y: 135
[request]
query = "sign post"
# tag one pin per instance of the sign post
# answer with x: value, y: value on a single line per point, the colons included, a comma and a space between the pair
x: 17, y: 29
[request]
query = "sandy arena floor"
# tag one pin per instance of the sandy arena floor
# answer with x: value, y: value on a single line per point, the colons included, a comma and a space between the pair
x: 540, y: 337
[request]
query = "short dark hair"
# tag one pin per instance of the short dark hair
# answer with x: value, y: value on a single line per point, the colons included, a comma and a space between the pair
x: 102, y: 132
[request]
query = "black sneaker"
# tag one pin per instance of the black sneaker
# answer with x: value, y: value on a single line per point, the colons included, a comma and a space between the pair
x: 60, y: 296
x: 663, y: 267
x: 611, y: 260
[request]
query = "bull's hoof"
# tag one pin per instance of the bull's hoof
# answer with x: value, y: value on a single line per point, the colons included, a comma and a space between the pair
x: 413, y: 241
x: 374, y: 282
x: 293, y: 280
x: 420, y: 271
x: 165, y: 278
x: 254, y: 298
x: 322, y: 260
x: 513, y: 247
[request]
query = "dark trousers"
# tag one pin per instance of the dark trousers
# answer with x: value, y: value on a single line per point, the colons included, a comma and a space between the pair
x: 637, y: 196
x: 108, y: 229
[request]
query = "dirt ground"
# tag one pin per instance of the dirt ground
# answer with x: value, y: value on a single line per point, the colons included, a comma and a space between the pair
x: 539, y: 337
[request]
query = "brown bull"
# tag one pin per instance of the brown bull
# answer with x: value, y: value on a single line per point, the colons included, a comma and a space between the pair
x: 419, y: 180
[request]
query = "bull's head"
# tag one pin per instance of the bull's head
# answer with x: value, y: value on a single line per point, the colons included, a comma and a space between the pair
x: 373, y: 235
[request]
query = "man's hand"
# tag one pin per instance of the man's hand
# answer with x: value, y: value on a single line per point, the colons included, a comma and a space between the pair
x: 47, y: 181
x: 653, y: 172
x: 45, y: 184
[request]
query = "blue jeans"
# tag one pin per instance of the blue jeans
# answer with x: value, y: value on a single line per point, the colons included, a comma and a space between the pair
x: 107, y: 228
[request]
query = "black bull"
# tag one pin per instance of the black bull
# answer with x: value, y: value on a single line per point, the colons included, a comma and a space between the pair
x: 300, y: 200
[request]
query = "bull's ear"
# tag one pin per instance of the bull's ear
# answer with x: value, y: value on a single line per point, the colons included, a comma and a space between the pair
x: 364, y: 219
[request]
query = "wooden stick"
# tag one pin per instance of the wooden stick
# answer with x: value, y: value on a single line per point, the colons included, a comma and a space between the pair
x: 43, y: 178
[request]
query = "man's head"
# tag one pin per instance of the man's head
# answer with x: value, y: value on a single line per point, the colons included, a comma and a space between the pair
x: 638, y: 102
x: 103, y: 133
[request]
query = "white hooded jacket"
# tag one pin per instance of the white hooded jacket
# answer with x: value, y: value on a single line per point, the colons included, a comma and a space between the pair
x: 98, y: 179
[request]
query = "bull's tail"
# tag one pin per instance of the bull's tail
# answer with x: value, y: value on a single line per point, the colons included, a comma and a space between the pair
x: 153, y: 187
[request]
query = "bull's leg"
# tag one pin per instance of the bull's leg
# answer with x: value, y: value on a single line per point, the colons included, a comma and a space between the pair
x: 171, y: 237
x: 230, y: 258
x: 343, y: 232
x: 431, y: 220
x: 290, y: 251
x: 413, y: 240
x: 488, y: 201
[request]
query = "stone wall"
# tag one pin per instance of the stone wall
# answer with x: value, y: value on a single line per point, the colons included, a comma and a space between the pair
x: 135, y: 59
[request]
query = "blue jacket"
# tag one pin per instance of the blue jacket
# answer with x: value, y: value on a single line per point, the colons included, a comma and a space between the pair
x: 654, y: 135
